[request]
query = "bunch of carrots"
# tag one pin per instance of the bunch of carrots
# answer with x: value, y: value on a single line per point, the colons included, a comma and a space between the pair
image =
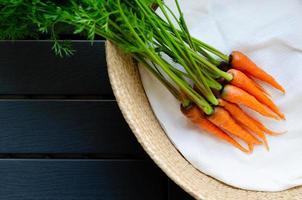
x: 209, y: 84
x: 228, y: 118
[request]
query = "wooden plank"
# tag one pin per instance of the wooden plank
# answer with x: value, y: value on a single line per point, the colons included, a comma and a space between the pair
x: 177, y: 193
x: 66, y: 127
x: 30, y: 67
x: 81, y: 180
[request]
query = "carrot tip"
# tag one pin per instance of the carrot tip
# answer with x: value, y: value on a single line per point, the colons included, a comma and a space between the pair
x: 282, y: 90
x: 238, y: 96
x: 266, y: 144
x: 248, y: 152
x: 273, y: 133
x: 282, y: 116
x: 244, y: 150
x: 258, y: 142
x: 251, y: 147
x: 276, y: 116
x: 241, y: 62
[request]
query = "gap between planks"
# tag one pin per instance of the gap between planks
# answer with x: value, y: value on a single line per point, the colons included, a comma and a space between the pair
x: 70, y: 156
x: 56, y: 99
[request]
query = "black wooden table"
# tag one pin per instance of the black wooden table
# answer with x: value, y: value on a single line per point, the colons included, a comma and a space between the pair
x: 62, y: 135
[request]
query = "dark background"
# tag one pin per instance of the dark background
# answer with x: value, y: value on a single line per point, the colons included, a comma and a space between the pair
x: 62, y: 135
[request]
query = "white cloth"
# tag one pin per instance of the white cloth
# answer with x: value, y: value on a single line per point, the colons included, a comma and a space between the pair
x: 270, y: 33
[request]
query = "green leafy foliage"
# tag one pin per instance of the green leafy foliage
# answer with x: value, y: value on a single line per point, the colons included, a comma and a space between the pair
x: 134, y: 27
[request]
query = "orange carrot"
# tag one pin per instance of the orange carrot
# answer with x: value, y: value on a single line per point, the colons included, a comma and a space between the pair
x: 266, y: 130
x: 251, y: 147
x: 239, y: 115
x: 258, y: 85
x: 238, y: 96
x: 242, y: 81
x: 198, y: 118
x: 243, y: 63
x: 223, y: 120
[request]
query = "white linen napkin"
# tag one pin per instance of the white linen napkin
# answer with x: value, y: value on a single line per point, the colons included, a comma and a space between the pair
x: 270, y: 33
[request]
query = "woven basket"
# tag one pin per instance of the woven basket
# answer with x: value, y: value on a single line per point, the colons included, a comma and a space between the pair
x: 133, y: 102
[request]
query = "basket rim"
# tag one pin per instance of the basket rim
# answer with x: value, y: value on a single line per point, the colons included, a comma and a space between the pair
x: 185, y: 170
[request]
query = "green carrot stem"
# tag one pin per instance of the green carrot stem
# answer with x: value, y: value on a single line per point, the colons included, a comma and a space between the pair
x: 184, y: 86
x: 161, y: 31
x: 184, y: 26
x: 208, y: 56
x: 213, y: 83
x: 215, y: 72
x: 211, y: 74
x: 211, y: 49
x: 203, y: 87
x: 160, y: 77
x: 211, y: 66
x: 199, y: 80
x: 201, y: 44
x: 209, y: 63
x: 186, y: 102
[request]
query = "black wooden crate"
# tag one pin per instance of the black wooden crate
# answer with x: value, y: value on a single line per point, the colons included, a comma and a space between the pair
x: 62, y: 135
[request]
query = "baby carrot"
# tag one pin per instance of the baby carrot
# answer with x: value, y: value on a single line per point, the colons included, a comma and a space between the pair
x: 257, y: 85
x: 223, y: 120
x: 266, y: 130
x: 239, y: 115
x: 242, y: 62
x: 197, y: 117
x: 251, y: 147
x: 244, y: 82
x: 238, y: 96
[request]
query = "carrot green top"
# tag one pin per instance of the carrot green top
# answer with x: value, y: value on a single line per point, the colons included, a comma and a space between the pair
x: 136, y: 28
